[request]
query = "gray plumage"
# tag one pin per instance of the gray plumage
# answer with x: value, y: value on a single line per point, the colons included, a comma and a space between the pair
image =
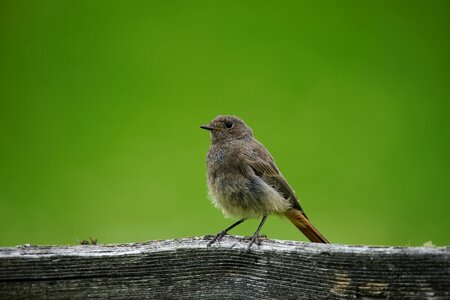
x: 243, y: 179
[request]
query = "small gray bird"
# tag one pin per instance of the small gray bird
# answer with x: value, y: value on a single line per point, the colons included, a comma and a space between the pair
x: 244, y: 181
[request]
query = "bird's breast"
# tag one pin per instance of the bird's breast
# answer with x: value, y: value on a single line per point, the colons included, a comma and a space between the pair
x: 241, y: 196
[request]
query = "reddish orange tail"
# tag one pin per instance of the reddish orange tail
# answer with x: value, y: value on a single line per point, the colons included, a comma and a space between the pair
x: 301, y: 222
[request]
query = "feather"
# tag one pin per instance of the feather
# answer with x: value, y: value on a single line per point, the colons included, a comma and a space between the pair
x: 304, y: 225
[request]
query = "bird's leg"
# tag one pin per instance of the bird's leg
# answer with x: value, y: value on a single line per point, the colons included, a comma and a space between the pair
x: 224, y: 232
x: 255, y: 236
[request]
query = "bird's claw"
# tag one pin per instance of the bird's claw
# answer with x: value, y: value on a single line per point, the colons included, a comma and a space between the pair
x: 256, y: 238
x: 217, y: 238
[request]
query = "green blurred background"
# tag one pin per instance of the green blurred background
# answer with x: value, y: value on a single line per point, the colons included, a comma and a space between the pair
x: 101, y: 103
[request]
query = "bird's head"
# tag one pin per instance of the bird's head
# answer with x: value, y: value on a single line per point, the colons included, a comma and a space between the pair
x: 227, y: 128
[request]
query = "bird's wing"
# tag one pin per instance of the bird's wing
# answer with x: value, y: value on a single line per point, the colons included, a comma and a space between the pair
x: 264, y: 167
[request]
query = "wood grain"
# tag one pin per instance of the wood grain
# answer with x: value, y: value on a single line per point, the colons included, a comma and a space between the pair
x: 186, y: 269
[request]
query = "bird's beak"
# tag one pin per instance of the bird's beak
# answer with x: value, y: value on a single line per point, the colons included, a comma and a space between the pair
x: 207, y: 127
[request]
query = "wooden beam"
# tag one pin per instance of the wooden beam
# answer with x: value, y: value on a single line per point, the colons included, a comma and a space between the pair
x: 186, y: 268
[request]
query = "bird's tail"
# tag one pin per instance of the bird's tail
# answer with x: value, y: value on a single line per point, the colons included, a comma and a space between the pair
x: 300, y: 221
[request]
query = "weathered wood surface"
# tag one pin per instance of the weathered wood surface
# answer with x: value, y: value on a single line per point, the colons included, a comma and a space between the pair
x: 185, y: 268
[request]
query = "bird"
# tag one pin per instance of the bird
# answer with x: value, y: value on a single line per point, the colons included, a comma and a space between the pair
x: 244, y: 181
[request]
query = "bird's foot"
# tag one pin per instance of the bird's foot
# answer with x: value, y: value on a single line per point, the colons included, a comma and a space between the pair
x: 217, y: 238
x: 255, y: 239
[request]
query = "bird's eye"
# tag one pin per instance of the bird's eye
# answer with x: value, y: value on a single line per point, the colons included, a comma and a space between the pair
x: 229, y: 124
